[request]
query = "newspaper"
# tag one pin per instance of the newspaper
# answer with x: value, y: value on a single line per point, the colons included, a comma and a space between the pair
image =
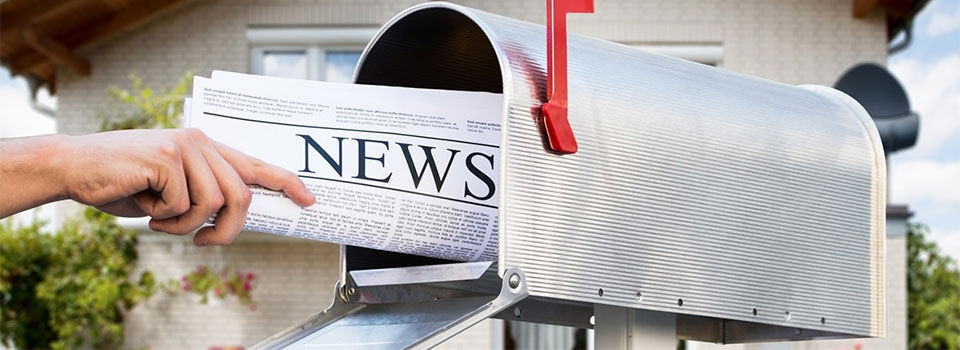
x: 399, y: 169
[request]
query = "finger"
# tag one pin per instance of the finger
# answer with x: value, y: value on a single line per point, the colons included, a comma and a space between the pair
x: 236, y: 196
x: 124, y: 207
x: 278, y: 179
x: 255, y: 171
x: 169, y: 182
x: 205, y: 196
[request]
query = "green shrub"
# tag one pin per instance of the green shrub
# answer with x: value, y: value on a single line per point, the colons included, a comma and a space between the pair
x: 71, y: 288
x: 142, y: 107
x: 933, y: 293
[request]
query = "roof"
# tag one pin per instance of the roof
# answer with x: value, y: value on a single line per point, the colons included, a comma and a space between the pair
x: 898, y: 211
x: 36, y: 36
x: 900, y: 13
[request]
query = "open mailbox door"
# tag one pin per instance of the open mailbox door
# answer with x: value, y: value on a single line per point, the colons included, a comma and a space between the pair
x: 394, y: 308
x: 723, y: 207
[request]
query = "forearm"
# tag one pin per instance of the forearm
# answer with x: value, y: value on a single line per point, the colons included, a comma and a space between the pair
x: 30, y: 172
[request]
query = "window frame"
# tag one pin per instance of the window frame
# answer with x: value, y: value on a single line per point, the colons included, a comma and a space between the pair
x: 315, y: 42
x: 257, y: 56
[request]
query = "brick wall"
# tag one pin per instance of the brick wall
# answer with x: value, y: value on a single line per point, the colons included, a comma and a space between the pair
x: 794, y: 41
x: 294, y: 280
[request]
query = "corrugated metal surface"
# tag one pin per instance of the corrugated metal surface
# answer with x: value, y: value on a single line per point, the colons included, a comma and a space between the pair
x: 727, y: 192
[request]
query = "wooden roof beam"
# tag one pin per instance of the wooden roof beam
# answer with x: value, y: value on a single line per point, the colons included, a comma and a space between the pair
x: 47, y: 73
x: 27, y: 15
x: 901, y: 8
x: 863, y: 7
x: 116, y: 5
x: 128, y: 18
x: 120, y: 21
x: 25, y: 62
x: 38, y: 12
x: 55, y: 51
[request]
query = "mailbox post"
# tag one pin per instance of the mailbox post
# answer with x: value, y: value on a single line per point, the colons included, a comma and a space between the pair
x: 633, y: 329
x: 695, y: 203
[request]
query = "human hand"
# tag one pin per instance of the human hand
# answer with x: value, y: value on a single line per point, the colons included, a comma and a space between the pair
x: 179, y: 178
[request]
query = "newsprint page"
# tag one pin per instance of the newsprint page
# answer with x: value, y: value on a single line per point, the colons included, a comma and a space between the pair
x: 400, y: 169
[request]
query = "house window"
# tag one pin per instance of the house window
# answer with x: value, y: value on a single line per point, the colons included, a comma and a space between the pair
x: 338, y: 65
x: 283, y: 63
x: 329, y: 54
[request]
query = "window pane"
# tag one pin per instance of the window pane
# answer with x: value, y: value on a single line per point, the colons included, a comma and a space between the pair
x: 340, y: 65
x: 286, y: 64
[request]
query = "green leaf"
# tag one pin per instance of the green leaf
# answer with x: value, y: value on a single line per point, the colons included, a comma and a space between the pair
x: 143, y: 107
x: 933, y: 293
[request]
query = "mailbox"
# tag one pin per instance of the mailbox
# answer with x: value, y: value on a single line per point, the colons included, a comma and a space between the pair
x: 720, y: 206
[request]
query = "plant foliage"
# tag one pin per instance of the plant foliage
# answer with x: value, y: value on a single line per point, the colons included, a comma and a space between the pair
x: 933, y: 293
x: 204, y: 281
x: 141, y: 107
x: 68, y: 289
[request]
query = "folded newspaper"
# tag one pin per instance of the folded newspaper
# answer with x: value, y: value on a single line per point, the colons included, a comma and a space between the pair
x: 400, y: 169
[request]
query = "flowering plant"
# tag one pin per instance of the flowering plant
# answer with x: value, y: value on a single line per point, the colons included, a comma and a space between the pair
x: 203, y: 281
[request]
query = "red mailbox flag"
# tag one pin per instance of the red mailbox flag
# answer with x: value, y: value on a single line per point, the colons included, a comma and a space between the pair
x: 555, y: 110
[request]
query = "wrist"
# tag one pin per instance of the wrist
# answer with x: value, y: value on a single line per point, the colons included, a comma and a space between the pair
x: 55, y: 152
x: 31, y: 172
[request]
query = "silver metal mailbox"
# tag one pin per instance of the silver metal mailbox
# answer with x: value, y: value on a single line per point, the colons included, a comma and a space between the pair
x: 738, y: 209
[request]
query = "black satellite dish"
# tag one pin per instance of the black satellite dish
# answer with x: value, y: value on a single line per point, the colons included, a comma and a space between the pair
x: 885, y: 100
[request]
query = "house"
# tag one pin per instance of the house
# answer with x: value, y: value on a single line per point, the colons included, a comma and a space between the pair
x: 77, y: 48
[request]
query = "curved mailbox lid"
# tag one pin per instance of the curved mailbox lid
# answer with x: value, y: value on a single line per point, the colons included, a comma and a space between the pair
x: 707, y: 192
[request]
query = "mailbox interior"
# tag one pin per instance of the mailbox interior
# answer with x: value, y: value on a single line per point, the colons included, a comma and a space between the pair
x: 458, y: 57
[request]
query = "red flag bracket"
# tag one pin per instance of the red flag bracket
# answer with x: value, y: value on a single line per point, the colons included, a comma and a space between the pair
x: 554, y: 111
